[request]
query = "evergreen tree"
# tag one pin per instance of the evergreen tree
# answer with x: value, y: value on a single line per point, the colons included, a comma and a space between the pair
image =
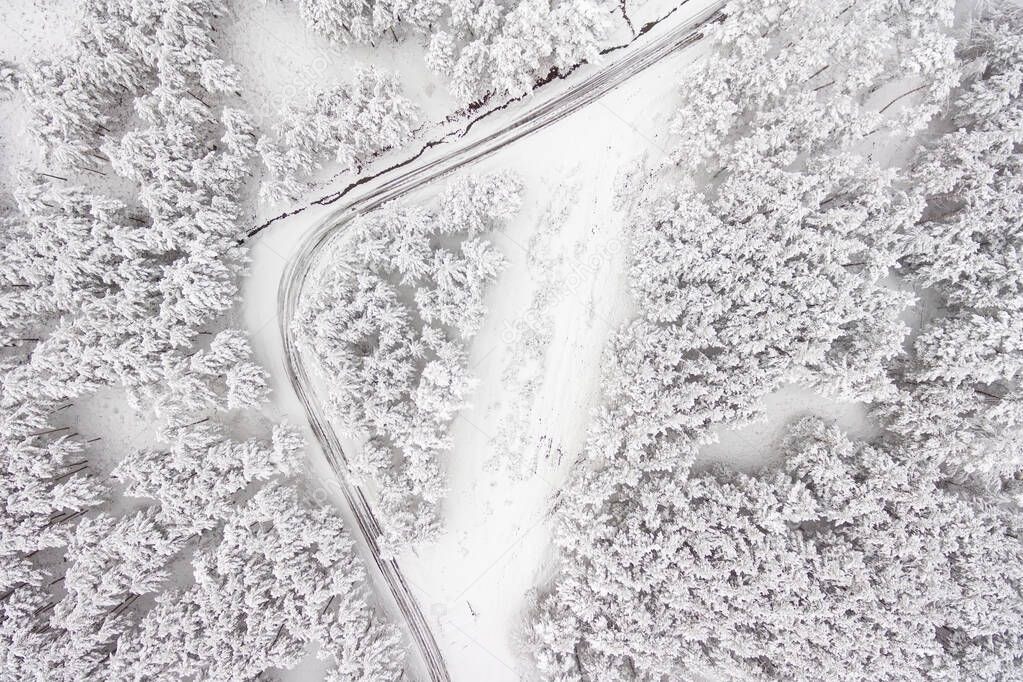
x: 351, y: 123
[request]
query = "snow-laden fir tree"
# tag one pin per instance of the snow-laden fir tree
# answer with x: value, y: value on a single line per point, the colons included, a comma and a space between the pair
x: 767, y: 262
x: 795, y: 77
x: 45, y: 486
x: 220, y: 376
x: 112, y: 562
x: 483, y: 47
x: 348, y: 124
x: 874, y: 560
x: 201, y: 478
x: 772, y: 267
x: 77, y: 98
x: 139, y: 283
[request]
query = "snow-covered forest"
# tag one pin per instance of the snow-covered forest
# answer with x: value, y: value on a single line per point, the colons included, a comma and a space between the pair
x: 121, y: 258
x: 832, y: 200
x: 483, y: 48
x: 387, y: 324
x: 769, y: 252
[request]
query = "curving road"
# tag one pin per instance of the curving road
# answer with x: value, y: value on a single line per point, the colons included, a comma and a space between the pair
x: 645, y: 50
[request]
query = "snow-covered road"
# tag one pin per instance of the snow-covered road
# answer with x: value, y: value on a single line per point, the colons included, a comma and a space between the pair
x: 476, y: 139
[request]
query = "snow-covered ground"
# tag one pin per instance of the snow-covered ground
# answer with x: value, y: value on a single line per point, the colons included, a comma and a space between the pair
x: 475, y: 581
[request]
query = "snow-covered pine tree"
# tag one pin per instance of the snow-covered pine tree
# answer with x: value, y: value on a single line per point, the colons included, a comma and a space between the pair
x: 46, y: 487
x: 139, y: 285
x: 772, y: 265
x: 858, y: 530
x: 111, y: 563
x: 76, y: 99
x: 221, y: 376
x: 797, y: 77
x: 345, y: 21
x: 771, y: 271
x: 529, y: 40
x: 453, y: 296
x: 98, y: 294
x: 69, y: 250
x: 201, y: 478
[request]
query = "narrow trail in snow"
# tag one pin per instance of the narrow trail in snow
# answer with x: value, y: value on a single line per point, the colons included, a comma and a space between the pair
x: 380, y: 188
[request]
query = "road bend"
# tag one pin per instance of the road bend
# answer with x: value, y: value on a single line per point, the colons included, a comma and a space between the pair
x: 650, y: 47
